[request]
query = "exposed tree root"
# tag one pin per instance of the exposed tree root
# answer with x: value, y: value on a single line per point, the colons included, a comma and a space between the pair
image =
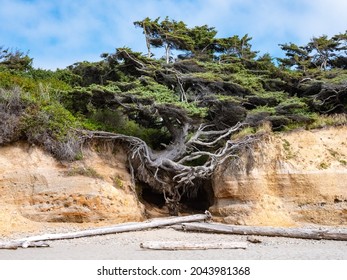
x: 170, y: 171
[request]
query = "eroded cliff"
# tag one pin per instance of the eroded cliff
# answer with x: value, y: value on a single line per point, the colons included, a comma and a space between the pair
x: 36, y: 190
x: 297, y: 178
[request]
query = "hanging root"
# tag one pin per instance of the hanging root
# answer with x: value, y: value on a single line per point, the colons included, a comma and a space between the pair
x: 167, y: 171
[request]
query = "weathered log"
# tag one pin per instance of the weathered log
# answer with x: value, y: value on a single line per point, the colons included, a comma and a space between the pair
x: 181, y: 245
x: 109, y: 230
x: 16, y: 244
x: 304, y: 233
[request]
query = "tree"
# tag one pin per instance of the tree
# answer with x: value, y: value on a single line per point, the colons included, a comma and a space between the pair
x: 194, y: 144
x: 203, y: 38
x: 15, y: 60
x: 340, y: 60
x: 151, y: 32
x: 174, y: 35
x: 173, y: 171
x: 169, y: 34
x: 296, y: 56
x: 322, y: 50
x: 235, y: 47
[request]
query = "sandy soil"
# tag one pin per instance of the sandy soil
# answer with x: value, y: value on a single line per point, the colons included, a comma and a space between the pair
x: 126, y: 246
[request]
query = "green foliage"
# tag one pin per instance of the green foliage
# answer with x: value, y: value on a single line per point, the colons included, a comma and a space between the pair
x: 264, y: 109
x: 118, y: 182
x: 8, y: 80
x: 324, y: 165
x: 320, y: 121
x: 296, y: 56
x: 287, y: 148
x: 103, y: 119
x: 263, y: 128
x: 216, y: 80
x: 293, y: 105
x: 247, y: 81
x: 209, y: 76
x: 15, y: 60
x: 244, y: 132
x: 154, y: 91
x: 333, y: 76
x: 235, y: 47
x: 228, y: 98
x: 321, y: 52
x: 33, y: 81
x: 224, y: 68
x: 52, y: 119
x: 86, y: 73
x: 279, y: 96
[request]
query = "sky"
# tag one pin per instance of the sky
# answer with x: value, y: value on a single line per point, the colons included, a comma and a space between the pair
x: 58, y: 33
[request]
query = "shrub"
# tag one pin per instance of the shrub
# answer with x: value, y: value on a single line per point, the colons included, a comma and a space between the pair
x: 52, y: 127
x: 11, y: 107
x: 320, y: 121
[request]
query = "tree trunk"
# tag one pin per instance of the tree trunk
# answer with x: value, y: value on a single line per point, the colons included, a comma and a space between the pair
x: 182, y: 245
x: 167, y: 53
x: 304, y: 233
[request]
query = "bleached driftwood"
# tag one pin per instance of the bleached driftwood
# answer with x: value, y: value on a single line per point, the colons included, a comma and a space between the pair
x: 181, y: 245
x: 304, y: 233
x: 15, y: 244
x: 107, y: 230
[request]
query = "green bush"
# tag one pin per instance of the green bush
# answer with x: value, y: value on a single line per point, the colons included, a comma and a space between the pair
x: 9, y: 80
x: 52, y: 127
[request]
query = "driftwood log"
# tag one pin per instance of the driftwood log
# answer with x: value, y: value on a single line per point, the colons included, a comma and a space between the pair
x: 31, y: 241
x: 181, y: 245
x: 304, y: 233
x: 15, y: 244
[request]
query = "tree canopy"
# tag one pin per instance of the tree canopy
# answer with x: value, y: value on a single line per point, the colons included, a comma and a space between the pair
x: 321, y: 52
x: 199, y: 41
x: 15, y: 60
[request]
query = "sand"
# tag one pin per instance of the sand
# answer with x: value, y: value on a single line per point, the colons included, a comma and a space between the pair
x: 126, y: 246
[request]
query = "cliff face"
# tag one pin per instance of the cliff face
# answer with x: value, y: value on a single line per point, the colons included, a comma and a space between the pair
x: 36, y: 189
x: 298, y: 177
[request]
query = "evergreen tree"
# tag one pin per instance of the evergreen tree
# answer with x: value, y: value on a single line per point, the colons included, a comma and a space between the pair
x: 340, y: 61
x: 15, y: 60
x: 203, y: 41
x: 151, y: 32
x: 174, y: 35
x: 322, y: 50
x: 235, y: 47
x: 296, y: 56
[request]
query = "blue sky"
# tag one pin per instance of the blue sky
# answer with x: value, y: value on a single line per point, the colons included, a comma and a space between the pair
x: 58, y: 33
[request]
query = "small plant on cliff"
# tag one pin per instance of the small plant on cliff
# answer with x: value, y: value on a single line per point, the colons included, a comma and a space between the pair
x: 118, y: 182
x: 83, y: 171
x: 324, y: 165
x: 327, y: 120
x: 287, y: 149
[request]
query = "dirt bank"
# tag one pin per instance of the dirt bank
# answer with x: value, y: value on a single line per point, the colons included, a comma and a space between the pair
x: 298, y: 179
x: 289, y: 179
